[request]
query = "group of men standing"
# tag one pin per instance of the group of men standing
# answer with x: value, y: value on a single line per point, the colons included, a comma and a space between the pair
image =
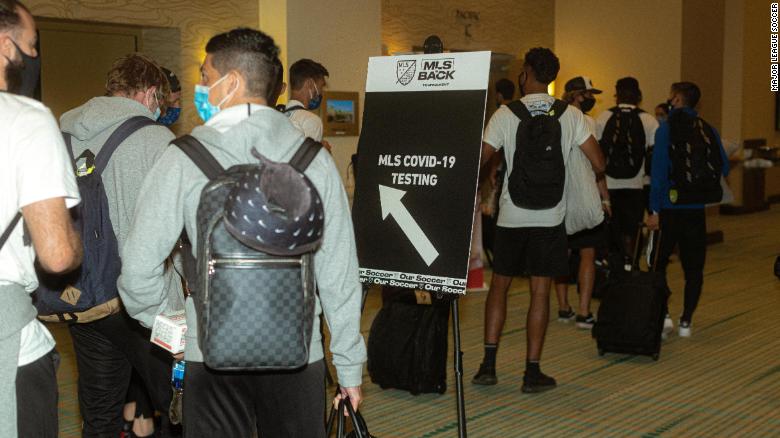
x: 632, y: 162
x: 152, y: 191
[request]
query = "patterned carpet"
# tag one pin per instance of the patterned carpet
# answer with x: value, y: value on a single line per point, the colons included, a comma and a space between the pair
x: 722, y: 382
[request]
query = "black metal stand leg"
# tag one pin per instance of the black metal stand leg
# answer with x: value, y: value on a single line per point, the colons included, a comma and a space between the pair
x: 461, y: 400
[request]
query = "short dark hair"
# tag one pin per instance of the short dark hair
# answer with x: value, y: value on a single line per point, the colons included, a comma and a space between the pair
x: 664, y: 107
x: 627, y: 91
x: 248, y: 51
x: 305, y: 69
x: 9, y: 14
x: 544, y: 63
x: 689, y: 91
x: 276, y: 89
x: 506, y: 88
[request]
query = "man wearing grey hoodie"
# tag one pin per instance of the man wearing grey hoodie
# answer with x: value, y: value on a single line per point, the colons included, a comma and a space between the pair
x: 109, y: 348
x: 237, y: 74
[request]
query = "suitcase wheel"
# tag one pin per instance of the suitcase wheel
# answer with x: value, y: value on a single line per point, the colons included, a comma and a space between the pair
x: 655, y: 357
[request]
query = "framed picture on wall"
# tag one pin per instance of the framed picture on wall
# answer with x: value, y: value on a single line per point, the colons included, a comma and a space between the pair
x: 340, y: 113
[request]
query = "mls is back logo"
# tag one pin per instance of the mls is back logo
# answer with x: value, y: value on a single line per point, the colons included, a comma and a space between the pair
x: 405, y: 70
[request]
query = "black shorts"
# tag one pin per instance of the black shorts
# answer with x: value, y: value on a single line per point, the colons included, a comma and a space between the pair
x: 628, y: 210
x: 537, y: 251
x: 591, y: 238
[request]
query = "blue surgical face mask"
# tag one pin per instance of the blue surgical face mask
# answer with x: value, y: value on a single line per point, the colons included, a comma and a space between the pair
x: 205, y: 109
x: 170, y: 117
x: 315, y: 100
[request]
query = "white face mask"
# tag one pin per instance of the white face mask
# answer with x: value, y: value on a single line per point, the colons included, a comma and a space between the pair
x: 157, y: 111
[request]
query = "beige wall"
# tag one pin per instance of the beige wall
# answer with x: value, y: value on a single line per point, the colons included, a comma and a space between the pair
x: 733, y: 56
x: 197, y: 20
x: 342, y: 35
x: 506, y: 26
x: 758, y: 102
x: 610, y: 39
x: 702, y: 52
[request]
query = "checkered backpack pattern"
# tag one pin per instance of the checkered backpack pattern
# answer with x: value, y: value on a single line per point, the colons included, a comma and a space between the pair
x: 255, y: 310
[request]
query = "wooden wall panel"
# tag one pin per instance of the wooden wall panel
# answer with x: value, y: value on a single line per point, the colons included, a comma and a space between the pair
x: 196, y: 20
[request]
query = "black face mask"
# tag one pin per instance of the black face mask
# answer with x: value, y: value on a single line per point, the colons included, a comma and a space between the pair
x: 22, y: 76
x: 587, y: 104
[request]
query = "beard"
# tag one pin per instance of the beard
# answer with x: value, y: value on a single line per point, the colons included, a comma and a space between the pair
x: 13, y: 76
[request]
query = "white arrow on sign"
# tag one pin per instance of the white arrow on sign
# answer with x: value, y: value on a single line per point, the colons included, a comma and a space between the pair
x: 390, y: 199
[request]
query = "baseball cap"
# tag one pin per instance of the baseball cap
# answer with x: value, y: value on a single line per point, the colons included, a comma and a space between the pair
x: 581, y: 83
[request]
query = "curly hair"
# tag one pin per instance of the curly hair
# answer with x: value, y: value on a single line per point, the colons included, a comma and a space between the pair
x: 544, y: 64
x: 251, y: 52
x: 133, y: 73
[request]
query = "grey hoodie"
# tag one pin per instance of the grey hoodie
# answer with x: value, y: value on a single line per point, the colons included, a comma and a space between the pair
x: 170, y: 197
x: 90, y: 126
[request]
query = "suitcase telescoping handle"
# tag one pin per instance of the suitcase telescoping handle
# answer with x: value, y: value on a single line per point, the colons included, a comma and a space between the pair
x: 653, y: 236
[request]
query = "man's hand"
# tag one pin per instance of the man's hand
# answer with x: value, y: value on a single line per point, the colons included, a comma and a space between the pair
x: 606, y: 205
x: 355, y: 397
x: 652, y: 222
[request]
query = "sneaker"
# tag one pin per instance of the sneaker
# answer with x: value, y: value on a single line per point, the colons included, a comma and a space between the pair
x: 585, y: 322
x: 485, y: 376
x: 668, y: 324
x: 684, y: 331
x: 566, y: 315
x: 538, y: 383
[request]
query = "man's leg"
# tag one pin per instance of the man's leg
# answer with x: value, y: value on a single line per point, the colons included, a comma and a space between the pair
x: 291, y: 404
x: 152, y: 364
x: 506, y: 264
x: 565, y: 312
x: 693, y: 252
x: 218, y: 404
x: 104, y: 375
x: 546, y: 257
x: 36, y: 397
x: 586, y: 279
x: 538, y: 316
x: 495, y: 316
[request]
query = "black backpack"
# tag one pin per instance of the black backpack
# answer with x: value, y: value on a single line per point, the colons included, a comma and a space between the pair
x: 538, y: 170
x: 94, y: 282
x: 623, y: 143
x: 255, y: 310
x: 696, y: 161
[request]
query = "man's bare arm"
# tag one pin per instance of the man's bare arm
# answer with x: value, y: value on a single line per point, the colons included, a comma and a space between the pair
x: 592, y: 150
x: 56, y: 243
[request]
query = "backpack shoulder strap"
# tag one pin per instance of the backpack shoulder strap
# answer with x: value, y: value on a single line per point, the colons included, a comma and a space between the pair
x: 10, y: 229
x: 558, y: 108
x: 120, y: 134
x: 292, y: 109
x: 199, y: 155
x: 519, y: 109
x: 305, y: 154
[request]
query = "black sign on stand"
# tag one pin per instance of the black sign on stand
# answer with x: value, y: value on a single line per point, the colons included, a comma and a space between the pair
x: 418, y: 162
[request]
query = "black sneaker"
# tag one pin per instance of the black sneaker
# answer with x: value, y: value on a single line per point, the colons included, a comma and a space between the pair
x: 485, y: 376
x: 585, y: 322
x: 538, y: 383
x: 566, y: 315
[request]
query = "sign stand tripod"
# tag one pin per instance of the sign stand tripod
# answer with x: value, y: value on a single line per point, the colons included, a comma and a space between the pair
x: 460, y: 398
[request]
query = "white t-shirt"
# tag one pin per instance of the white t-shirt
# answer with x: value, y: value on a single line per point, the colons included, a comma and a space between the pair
x: 501, y: 133
x: 305, y: 121
x: 650, y: 124
x: 36, y: 167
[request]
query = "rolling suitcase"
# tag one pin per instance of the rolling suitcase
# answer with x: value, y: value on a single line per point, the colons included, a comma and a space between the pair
x: 407, y: 344
x: 633, y: 307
